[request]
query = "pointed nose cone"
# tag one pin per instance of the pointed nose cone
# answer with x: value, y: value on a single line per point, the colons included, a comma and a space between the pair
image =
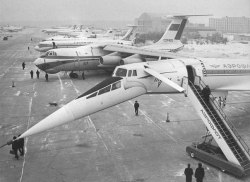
x: 59, y: 117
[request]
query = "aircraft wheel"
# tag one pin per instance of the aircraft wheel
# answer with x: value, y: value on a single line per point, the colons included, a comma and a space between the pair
x: 83, y: 76
x: 73, y: 75
x: 192, y: 154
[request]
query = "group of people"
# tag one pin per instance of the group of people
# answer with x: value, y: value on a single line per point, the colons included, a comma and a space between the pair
x: 199, y: 173
x: 17, y: 145
x: 37, y: 73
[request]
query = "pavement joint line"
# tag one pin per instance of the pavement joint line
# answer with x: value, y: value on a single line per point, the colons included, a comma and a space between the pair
x: 26, y: 141
x: 77, y: 91
x: 60, y: 81
x: 153, y: 122
x: 98, y: 134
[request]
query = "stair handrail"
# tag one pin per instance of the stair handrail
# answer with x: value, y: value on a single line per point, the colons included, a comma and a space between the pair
x: 229, y: 122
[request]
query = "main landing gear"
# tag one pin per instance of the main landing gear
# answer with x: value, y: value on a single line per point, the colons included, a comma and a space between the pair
x: 75, y: 75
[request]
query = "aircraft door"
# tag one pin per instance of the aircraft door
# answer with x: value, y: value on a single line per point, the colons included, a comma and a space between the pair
x: 191, y: 73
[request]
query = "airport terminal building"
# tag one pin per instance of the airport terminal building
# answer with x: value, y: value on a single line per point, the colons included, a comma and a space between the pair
x: 230, y: 24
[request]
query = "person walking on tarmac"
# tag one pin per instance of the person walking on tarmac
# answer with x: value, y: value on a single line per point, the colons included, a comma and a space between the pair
x: 21, y: 146
x: 23, y: 65
x: 188, y: 173
x: 14, y: 147
x: 31, y: 74
x: 136, y: 106
x: 37, y: 74
x: 46, y: 76
x: 199, y: 173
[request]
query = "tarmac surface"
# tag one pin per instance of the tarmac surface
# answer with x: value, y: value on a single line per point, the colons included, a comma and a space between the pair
x: 113, y: 145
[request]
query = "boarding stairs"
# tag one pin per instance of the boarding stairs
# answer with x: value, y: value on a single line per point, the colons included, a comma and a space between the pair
x: 222, y: 130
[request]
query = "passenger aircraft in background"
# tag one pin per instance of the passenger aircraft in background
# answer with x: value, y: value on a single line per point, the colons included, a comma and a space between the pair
x: 90, y: 39
x: 107, y: 55
x: 55, y: 30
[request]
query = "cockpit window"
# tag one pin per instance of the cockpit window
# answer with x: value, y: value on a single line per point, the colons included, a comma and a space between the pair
x: 121, y: 72
x: 104, y: 90
x: 92, y: 95
x: 129, y: 73
x: 116, y: 85
x: 134, y: 73
x: 106, y: 83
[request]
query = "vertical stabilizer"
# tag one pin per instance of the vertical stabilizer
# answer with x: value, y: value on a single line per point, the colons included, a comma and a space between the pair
x: 175, y: 29
x: 131, y: 33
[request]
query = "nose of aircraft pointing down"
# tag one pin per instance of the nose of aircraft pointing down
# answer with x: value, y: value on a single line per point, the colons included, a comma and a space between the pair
x: 61, y: 116
x: 38, y: 61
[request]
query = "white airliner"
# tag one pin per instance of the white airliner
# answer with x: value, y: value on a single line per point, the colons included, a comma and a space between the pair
x: 85, y: 33
x: 55, y: 30
x: 108, y: 56
x: 77, y: 30
x: 153, y: 77
x: 90, y: 39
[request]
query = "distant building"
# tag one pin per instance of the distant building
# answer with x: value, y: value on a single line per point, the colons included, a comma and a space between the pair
x: 152, y: 22
x: 231, y: 24
x: 199, y: 28
x: 237, y: 37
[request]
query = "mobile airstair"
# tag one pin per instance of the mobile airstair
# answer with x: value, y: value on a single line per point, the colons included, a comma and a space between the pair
x: 232, y: 154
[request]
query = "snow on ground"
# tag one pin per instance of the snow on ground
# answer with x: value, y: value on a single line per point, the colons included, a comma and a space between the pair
x: 229, y: 50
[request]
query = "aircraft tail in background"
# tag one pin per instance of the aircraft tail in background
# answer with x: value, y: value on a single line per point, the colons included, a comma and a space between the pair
x: 175, y: 29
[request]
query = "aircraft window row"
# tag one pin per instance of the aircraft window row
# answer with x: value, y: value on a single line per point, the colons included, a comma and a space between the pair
x: 226, y: 71
x: 106, y: 89
x: 49, y: 53
x: 123, y: 72
x: 44, y: 45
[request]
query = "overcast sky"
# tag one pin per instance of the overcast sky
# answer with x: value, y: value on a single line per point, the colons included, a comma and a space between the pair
x: 79, y: 10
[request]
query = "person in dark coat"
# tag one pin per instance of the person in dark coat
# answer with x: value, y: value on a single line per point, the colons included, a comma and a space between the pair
x: 37, y: 74
x: 199, y: 173
x: 189, y: 173
x: 15, y: 147
x: 206, y: 93
x: 31, y: 74
x: 136, y: 106
x: 23, y: 65
x: 21, y: 146
x: 46, y: 76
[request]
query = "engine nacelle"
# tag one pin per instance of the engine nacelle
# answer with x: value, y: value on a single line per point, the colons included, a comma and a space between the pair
x: 111, y: 59
x: 136, y: 58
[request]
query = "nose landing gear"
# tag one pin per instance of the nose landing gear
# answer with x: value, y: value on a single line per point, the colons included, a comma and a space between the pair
x: 73, y: 75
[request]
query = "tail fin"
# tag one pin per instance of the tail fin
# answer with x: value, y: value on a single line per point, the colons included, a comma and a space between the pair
x: 175, y: 29
x: 81, y: 27
x: 73, y: 27
x: 131, y: 33
x: 109, y: 33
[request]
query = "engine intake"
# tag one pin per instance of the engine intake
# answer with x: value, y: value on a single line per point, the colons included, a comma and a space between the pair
x: 136, y: 58
x: 111, y: 59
